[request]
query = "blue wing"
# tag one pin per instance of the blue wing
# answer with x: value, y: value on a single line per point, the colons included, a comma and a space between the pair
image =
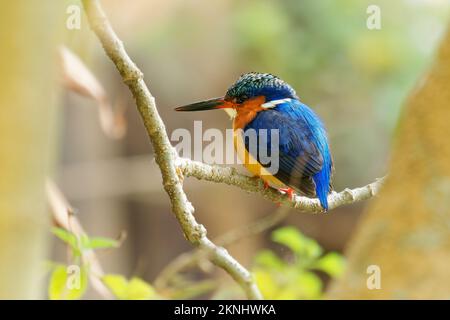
x: 304, y: 158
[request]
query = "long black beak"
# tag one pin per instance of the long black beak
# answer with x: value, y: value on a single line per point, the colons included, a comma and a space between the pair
x: 216, y: 103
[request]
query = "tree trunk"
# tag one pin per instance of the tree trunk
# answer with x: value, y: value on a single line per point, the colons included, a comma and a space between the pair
x: 27, y: 121
x: 406, y: 231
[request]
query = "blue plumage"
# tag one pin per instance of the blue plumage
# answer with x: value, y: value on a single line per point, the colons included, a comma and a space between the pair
x: 305, y: 162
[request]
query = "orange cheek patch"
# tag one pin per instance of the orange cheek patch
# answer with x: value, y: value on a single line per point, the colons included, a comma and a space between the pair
x: 247, y: 111
x: 254, y: 103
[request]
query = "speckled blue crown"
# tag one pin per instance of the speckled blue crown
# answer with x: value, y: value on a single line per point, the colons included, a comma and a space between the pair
x: 255, y: 84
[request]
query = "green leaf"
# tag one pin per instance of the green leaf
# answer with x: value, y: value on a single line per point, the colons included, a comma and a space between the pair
x: 309, y: 284
x: 66, y: 236
x: 332, y: 263
x: 67, y: 282
x: 292, y: 238
x: 101, y: 243
x: 135, y: 289
x: 291, y: 284
x: 118, y: 285
x: 268, y: 259
x: 266, y: 283
x: 312, y: 249
x: 301, y: 285
x: 84, y: 242
x: 69, y: 238
x: 138, y: 289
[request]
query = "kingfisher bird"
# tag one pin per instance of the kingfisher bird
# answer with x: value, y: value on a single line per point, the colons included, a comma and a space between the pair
x: 264, y: 102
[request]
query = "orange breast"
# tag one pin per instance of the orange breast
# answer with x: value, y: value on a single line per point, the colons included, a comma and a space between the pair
x: 251, y: 164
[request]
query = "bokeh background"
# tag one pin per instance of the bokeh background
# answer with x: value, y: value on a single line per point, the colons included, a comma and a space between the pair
x: 356, y: 79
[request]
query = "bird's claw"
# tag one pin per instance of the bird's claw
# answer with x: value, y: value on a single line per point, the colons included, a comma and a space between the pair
x: 289, y: 191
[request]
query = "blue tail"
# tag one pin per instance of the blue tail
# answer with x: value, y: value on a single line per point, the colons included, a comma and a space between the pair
x: 323, y: 177
x: 322, y: 181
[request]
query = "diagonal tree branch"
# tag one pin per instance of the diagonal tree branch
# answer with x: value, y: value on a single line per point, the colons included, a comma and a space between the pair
x: 165, y: 154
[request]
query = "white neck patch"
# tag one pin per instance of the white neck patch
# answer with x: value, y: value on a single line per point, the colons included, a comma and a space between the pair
x: 274, y: 103
x: 231, y: 112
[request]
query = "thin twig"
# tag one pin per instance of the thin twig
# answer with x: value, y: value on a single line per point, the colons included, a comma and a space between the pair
x: 165, y: 155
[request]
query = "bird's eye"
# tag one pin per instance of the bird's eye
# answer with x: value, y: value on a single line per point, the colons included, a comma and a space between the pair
x: 242, y: 98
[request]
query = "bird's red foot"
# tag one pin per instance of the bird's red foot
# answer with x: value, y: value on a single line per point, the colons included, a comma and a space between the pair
x: 266, y: 185
x: 289, y: 191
